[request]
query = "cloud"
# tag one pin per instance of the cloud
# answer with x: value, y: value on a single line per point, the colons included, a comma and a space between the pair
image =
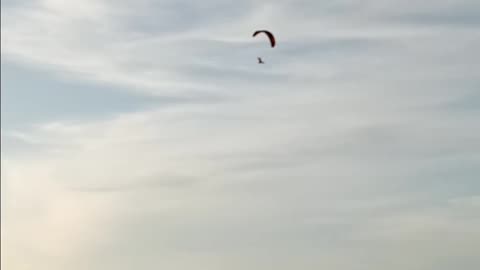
x: 277, y: 183
x: 115, y: 43
x: 358, y: 138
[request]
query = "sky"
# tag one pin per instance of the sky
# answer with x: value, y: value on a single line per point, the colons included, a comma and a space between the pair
x: 144, y: 135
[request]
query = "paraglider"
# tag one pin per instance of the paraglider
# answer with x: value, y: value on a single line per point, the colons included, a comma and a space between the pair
x: 271, y: 38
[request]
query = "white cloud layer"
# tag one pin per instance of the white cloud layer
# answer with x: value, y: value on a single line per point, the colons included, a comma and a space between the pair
x: 357, y: 145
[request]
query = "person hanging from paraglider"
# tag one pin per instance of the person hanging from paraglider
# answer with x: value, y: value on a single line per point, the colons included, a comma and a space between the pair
x: 270, y: 37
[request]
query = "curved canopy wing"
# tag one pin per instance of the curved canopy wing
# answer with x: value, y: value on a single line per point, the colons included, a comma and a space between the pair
x: 269, y: 35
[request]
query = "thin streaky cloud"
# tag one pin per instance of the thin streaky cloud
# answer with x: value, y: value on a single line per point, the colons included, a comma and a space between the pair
x: 357, y: 139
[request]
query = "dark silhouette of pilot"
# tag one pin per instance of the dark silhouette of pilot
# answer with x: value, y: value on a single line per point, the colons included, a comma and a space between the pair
x: 260, y: 61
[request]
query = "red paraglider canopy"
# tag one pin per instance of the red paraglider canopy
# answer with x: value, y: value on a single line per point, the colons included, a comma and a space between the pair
x: 270, y: 36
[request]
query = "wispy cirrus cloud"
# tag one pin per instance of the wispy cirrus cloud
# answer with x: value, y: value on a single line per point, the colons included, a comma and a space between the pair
x: 358, y: 139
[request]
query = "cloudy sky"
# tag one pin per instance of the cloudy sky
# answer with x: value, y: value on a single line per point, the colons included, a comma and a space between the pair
x: 144, y: 135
